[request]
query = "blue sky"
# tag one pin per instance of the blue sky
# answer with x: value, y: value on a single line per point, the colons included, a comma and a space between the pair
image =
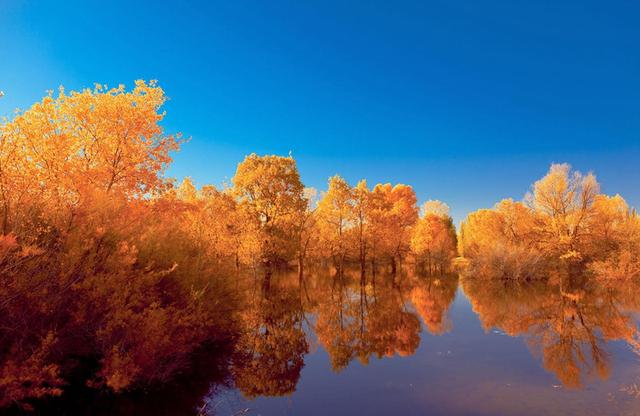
x: 468, y: 101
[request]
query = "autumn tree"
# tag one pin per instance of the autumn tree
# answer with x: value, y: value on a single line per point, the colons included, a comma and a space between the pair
x: 433, y: 240
x: 501, y: 242
x: 616, y: 248
x: 270, y: 190
x: 362, y: 222
x: 307, y: 231
x: 565, y: 198
x: 104, y: 139
x: 222, y: 230
x: 335, y: 216
x: 393, y: 213
x: 97, y: 266
x: 565, y: 220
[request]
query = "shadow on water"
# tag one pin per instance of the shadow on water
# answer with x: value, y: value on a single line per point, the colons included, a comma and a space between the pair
x: 208, y: 374
x: 566, y: 320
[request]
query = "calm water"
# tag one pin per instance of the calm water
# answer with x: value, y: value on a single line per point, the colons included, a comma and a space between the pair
x: 435, y: 346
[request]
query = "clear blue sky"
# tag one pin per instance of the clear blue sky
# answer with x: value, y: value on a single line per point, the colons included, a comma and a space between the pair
x: 468, y: 101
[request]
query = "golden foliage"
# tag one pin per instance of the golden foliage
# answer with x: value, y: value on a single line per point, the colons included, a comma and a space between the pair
x: 96, y: 261
x: 565, y: 221
x: 269, y: 190
x: 434, y: 241
x: 104, y: 262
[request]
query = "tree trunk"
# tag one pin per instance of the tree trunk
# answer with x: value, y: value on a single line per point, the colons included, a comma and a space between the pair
x: 300, y: 266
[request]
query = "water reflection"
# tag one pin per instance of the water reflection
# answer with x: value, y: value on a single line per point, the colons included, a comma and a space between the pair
x: 567, y: 320
x: 271, y: 349
x: 356, y: 318
x: 431, y: 297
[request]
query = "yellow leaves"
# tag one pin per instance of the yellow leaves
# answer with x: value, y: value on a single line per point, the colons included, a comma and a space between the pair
x: 335, y: 218
x: 187, y: 191
x: 624, y: 265
x: 435, y: 207
x: 572, y: 255
x: 394, y: 212
x: 354, y: 222
x: 269, y: 189
x: 612, y: 208
x: 478, y: 231
x: 107, y: 136
x: 565, y: 199
x: 565, y: 219
x: 433, y: 240
x: 91, y: 239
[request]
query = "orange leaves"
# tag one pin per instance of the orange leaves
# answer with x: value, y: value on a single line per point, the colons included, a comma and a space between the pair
x: 566, y: 219
x: 433, y: 240
x: 95, y: 250
x: 108, y: 139
x: 269, y: 190
x: 34, y: 377
x: 358, y: 223
x: 393, y: 212
x: 564, y: 200
x: 623, y: 265
x: 335, y: 219
x: 270, y: 186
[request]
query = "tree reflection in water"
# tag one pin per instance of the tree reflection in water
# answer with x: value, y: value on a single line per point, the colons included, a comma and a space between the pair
x: 270, y: 353
x: 357, y: 318
x: 568, y: 319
